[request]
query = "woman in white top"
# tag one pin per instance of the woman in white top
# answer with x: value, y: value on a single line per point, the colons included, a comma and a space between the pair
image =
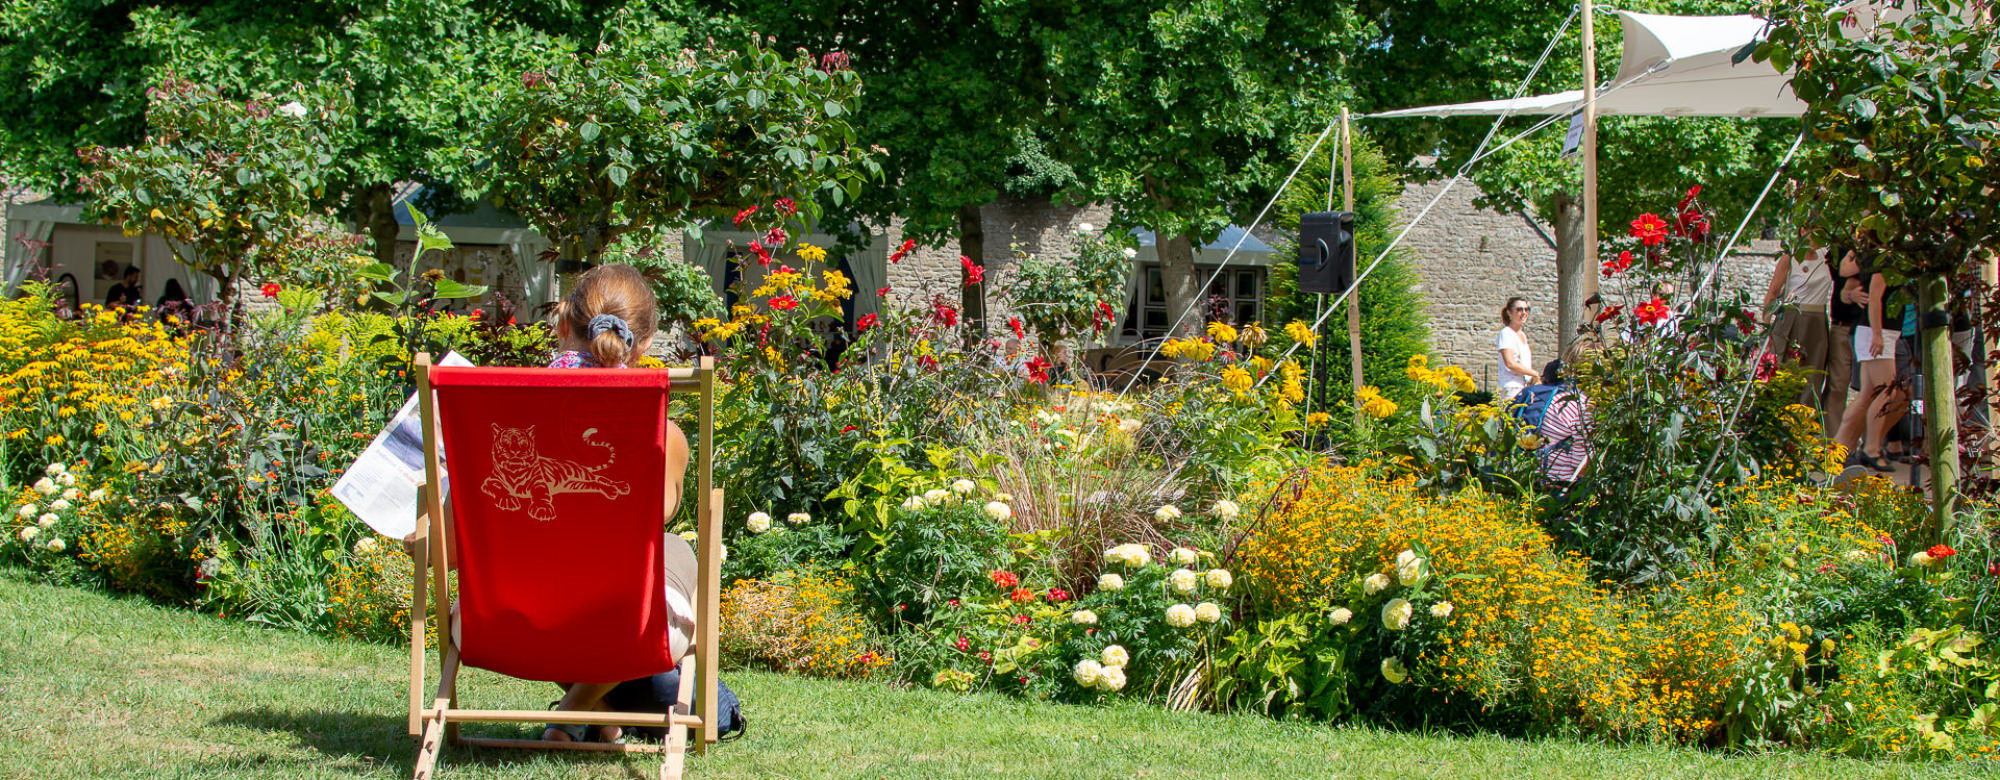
x: 1801, y: 290
x: 1516, y: 358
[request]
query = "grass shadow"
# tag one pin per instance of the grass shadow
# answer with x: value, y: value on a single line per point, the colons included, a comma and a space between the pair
x: 381, y: 740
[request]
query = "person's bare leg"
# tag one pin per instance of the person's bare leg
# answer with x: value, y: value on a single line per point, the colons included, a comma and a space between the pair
x: 584, y: 697
x: 1888, y: 409
x: 677, y: 465
x: 1854, y: 420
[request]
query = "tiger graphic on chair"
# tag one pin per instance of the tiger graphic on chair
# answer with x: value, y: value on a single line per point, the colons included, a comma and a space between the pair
x: 521, y: 475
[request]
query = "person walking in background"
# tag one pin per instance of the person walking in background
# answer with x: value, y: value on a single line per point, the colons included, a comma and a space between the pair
x: 1517, y: 359
x: 1882, y: 402
x: 1801, y: 289
x: 1848, y: 311
x: 126, y: 295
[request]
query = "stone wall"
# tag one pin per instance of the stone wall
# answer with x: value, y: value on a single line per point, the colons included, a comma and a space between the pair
x: 1472, y: 260
x: 1033, y: 226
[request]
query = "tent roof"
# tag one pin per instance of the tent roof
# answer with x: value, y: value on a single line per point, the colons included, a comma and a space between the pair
x: 1671, y: 66
x: 1223, y: 242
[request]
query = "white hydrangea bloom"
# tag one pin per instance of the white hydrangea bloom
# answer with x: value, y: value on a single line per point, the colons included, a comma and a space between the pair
x: 1087, y: 673
x: 1442, y: 609
x: 999, y: 511
x: 1409, y: 568
x: 690, y: 536
x: 1005, y: 497
x: 1115, y: 657
x: 1340, y: 616
x: 45, y: 486
x: 1110, y: 581
x: 72, y: 494
x: 1226, y: 510
x: 366, y: 546
x: 28, y: 510
x: 1207, y: 612
x: 913, y: 504
x: 1112, y: 679
x: 1183, y: 580
x: 1182, y: 556
x: 964, y: 487
x: 798, y: 518
x: 758, y: 523
x: 56, y: 468
x: 1220, y: 579
x: 1134, y: 555
x: 65, y: 479
x: 1167, y: 514
x: 99, y: 494
x: 1920, y: 558
x: 1396, y: 614
x: 293, y: 109
x: 1859, y: 556
x: 28, y: 533
x: 1376, y: 583
x: 936, y: 496
x: 1180, y: 616
x: 724, y: 557
x: 1083, y: 617
x: 56, y: 545
x: 47, y: 520
x: 1393, y: 671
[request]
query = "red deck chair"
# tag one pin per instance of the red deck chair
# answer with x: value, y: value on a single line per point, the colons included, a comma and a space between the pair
x: 552, y: 520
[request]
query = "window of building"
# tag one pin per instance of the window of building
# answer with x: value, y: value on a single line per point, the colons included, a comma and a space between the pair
x: 1240, y: 290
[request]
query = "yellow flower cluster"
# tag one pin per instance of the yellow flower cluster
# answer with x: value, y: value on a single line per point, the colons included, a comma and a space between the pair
x: 1373, y: 404
x: 1528, y: 627
x: 1222, y: 332
x: 811, y: 254
x: 1301, y: 332
x: 798, y: 622
x: 1238, y: 381
x: 1449, y: 379
x: 1196, y: 350
x: 369, y: 591
x: 834, y: 287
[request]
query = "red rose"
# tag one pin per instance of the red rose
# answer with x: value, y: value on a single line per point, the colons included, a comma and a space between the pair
x: 1005, y: 579
x: 1021, y: 596
x: 1649, y: 229
x: 1014, y: 323
x: 744, y: 215
x: 1941, y: 551
x: 867, y: 321
x: 270, y: 289
x: 973, y: 273
x: 784, y: 303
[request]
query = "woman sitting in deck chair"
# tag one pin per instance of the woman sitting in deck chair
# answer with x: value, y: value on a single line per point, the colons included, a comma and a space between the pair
x: 607, y: 322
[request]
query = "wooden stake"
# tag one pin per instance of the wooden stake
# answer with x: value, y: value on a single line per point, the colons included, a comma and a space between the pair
x: 1589, y: 147
x: 1347, y: 204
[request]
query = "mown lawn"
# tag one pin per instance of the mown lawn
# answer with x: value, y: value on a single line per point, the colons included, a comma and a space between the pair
x: 100, y: 686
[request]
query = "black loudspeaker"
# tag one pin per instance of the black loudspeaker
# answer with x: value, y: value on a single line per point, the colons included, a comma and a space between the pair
x: 1326, y: 252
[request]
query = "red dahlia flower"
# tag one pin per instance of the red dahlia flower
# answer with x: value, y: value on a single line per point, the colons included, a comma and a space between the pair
x: 1014, y: 324
x: 1653, y: 311
x: 867, y: 321
x: 1649, y: 229
x: 1941, y: 551
x: 270, y: 289
x: 1038, y: 370
x: 1608, y: 313
x: 973, y: 273
x: 784, y: 303
x: 744, y: 215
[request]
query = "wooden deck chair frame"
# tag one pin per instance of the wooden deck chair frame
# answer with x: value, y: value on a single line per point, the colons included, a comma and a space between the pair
x: 435, y: 714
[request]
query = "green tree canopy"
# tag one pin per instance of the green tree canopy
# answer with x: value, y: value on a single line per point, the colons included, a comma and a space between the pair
x: 623, y: 139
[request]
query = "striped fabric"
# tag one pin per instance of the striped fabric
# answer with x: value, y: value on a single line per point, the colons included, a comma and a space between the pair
x: 1568, y: 417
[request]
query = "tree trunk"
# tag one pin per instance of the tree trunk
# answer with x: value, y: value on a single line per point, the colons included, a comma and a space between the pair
x: 381, y: 222
x: 972, y: 298
x: 1178, y: 275
x: 1940, y: 402
x: 1574, y: 282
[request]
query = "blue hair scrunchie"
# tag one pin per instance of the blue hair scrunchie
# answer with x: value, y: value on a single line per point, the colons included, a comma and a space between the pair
x: 613, y: 323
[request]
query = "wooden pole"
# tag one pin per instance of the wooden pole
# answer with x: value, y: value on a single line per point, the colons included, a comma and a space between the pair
x: 1589, y: 148
x: 1347, y: 204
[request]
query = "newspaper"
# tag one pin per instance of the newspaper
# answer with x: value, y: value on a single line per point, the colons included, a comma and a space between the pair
x: 381, y: 486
